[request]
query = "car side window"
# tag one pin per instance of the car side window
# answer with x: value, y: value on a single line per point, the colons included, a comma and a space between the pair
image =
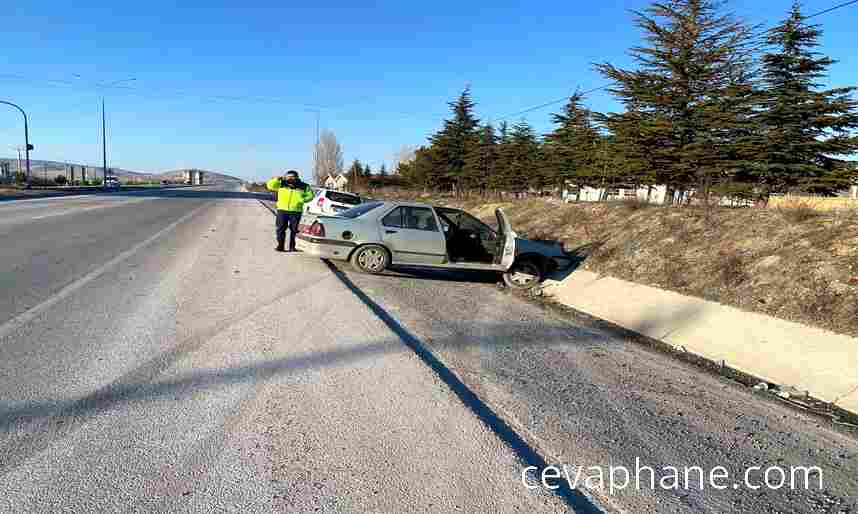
x: 420, y: 218
x: 393, y: 218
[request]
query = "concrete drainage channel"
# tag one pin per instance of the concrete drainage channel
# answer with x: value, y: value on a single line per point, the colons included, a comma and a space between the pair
x: 840, y: 419
x: 524, y: 445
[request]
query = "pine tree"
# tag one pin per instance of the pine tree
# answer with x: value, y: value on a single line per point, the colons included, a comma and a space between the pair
x: 804, y: 128
x: 690, y: 89
x: 452, y: 143
x: 367, y: 172
x: 521, y: 154
x: 355, y: 174
x: 382, y: 172
x: 480, y: 161
x: 629, y: 149
x: 498, y: 180
x: 571, y: 149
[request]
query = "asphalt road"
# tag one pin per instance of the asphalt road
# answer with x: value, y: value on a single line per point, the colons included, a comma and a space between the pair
x: 157, y: 355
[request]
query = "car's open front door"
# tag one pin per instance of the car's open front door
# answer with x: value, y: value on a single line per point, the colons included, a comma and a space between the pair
x: 505, y: 254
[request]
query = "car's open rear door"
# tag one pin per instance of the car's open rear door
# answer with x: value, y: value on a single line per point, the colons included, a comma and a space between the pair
x: 505, y: 254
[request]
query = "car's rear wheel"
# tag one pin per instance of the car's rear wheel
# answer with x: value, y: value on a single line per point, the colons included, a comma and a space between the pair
x: 523, y: 274
x: 370, y: 259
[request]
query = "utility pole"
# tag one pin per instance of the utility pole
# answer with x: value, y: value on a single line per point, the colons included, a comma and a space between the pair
x: 103, y: 145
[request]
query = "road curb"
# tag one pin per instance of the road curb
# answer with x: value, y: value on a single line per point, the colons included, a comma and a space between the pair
x: 781, y: 393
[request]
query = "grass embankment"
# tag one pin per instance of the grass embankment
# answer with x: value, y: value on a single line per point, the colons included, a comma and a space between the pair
x: 792, y: 262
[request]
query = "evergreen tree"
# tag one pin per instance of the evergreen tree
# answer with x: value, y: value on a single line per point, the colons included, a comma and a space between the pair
x: 804, y: 128
x: 382, y: 172
x: 418, y: 171
x: 571, y: 148
x: 480, y: 161
x: 498, y: 180
x: 521, y: 155
x: 367, y: 172
x: 690, y: 89
x: 355, y: 173
x: 629, y: 149
x: 452, y: 143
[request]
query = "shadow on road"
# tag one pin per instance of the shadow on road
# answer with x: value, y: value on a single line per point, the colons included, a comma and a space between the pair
x: 441, y: 275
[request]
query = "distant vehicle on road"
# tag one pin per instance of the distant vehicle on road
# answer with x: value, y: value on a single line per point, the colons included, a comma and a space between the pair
x: 375, y: 235
x: 329, y: 202
x: 111, y: 183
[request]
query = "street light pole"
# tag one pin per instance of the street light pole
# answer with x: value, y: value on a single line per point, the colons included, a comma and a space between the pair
x: 103, y: 146
x: 103, y: 126
x: 26, y: 136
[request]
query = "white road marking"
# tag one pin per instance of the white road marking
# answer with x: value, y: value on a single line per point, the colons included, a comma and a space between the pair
x: 80, y: 209
x: 32, y: 312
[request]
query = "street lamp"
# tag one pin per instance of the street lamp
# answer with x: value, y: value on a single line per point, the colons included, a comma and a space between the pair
x: 26, y: 137
x: 104, y: 130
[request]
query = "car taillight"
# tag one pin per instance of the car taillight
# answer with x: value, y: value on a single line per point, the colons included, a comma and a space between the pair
x: 317, y: 229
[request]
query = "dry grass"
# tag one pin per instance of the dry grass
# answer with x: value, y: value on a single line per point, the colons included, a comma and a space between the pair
x: 819, y: 203
x: 798, y: 211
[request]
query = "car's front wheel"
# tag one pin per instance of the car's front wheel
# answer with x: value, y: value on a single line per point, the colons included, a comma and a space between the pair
x: 523, y: 274
x: 370, y: 259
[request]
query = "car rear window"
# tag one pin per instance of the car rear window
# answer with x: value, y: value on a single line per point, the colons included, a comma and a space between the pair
x: 360, y: 210
x: 346, y: 198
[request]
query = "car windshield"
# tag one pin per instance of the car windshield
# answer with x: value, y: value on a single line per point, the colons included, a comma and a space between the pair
x: 360, y: 210
x: 463, y: 221
x: 346, y: 198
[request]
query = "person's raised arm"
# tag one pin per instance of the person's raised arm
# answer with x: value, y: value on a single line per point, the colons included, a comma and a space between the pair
x: 273, y: 184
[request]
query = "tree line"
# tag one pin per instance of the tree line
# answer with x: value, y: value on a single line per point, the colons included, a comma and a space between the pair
x: 712, y: 105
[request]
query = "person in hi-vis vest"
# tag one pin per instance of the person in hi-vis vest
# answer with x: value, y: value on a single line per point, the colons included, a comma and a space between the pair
x: 292, y: 194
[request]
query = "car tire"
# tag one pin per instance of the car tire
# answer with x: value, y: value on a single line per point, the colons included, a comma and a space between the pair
x: 523, y: 274
x: 372, y: 259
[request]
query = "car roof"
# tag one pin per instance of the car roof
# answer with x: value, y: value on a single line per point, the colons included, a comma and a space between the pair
x: 400, y: 203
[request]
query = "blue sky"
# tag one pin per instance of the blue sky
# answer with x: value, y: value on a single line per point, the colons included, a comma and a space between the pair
x: 232, y: 86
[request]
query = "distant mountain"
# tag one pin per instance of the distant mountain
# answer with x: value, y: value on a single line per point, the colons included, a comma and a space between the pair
x: 51, y: 169
x: 209, y: 176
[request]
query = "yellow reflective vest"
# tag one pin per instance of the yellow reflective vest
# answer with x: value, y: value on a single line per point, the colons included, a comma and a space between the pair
x: 290, y: 199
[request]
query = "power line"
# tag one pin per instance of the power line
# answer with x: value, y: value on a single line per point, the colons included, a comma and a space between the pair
x: 565, y: 98
x: 553, y: 102
x: 826, y: 11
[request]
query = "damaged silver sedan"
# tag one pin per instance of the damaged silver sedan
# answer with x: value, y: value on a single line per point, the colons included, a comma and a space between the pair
x: 376, y: 235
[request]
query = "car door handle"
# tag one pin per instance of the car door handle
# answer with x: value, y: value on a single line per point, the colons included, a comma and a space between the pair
x: 390, y: 231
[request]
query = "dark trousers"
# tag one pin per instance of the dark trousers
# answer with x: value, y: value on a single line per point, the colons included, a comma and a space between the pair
x: 290, y: 219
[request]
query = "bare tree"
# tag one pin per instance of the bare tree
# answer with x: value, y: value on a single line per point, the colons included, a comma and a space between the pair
x: 328, y: 158
x: 404, y: 155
